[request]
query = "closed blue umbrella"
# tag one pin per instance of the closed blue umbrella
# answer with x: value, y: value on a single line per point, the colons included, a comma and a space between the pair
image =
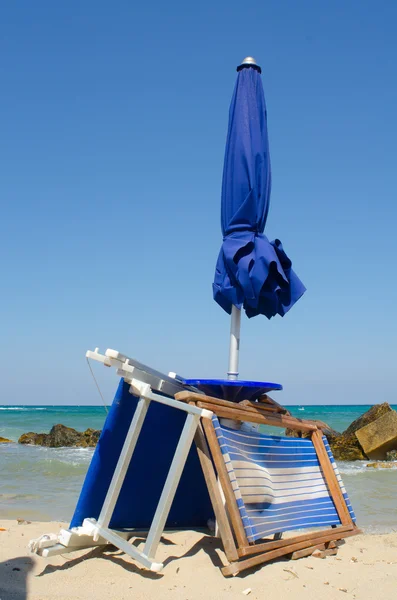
x: 251, y: 272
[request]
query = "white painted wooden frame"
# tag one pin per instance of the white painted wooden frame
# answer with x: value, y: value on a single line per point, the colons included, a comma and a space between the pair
x: 97, y: 532
x: 129, y: 369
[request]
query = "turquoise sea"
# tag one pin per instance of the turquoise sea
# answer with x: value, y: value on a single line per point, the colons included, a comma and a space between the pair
x: 44, y: 483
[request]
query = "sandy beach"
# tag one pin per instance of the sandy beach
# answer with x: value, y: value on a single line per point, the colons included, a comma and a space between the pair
x: 365, y: 568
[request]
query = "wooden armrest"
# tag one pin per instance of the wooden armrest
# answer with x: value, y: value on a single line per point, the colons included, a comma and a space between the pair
x: 268, y: 408
x: 245, y: 411
x: 250, y: 415
x: 265, y: 399
x: 189, y: 397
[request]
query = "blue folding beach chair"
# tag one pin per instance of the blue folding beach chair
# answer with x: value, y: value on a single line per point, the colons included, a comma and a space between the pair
x: 142, y: 471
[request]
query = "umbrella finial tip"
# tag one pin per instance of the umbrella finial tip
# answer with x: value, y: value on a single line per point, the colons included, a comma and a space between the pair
x: 249, y: 60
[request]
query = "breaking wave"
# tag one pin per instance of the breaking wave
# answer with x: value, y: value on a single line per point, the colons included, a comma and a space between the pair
x: 21, y: 408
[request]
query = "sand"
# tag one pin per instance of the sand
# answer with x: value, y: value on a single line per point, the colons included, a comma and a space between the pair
x: 365, y: 568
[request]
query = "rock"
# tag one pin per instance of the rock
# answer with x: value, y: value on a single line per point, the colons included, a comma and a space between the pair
x: 92, y: 436
x: 5, y: 440
x: 379, y: 436
x: 391, y: 455
x: 382, y: 465
x: 38, y: 439
x: 330, y: 434
x: 344, y: 447
x: 61, y: 436
x: 293, y: 433
x: 376, y: 411
x: 347, y: 447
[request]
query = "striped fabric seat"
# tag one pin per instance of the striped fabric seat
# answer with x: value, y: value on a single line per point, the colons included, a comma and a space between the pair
x: 277, y: 481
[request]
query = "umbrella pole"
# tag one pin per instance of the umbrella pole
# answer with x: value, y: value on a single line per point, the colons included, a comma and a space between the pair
x: 234, y: 349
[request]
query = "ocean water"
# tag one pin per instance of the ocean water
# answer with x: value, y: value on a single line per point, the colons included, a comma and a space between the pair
x: 44, y: 483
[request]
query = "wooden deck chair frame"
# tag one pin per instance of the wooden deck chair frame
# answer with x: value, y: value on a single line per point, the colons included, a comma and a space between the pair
x: 240, y: 553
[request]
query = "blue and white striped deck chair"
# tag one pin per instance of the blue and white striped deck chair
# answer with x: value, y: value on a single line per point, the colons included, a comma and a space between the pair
x: 278, y: 482
x: 271, y: 484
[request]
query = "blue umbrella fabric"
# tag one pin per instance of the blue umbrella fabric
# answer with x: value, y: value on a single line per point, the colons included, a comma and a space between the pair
x: 251, y: 272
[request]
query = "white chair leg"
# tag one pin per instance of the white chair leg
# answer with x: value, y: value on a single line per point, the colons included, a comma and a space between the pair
x: 171, y: 484
x: 123, y: 463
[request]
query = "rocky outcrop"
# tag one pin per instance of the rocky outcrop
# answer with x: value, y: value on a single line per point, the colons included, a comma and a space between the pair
x: 61, y: 436
x: 331, y: 434
x: 38, y: 439
x: 92, y: 436
x: 383, y: 465
x: 376, y: 411
x: 5, y: 440
x: 346, y: 445
x: 380, y: 436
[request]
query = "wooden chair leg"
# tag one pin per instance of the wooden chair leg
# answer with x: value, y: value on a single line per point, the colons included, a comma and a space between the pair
x: 324, y: 553
x: 224, y: 479
x: 306, y: 551
x: 215, y: 496
x: 254, y: 561
x: 330, y: 478
x: 322, y: 538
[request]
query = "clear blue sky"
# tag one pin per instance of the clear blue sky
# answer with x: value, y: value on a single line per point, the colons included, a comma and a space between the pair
x: 113, y: 120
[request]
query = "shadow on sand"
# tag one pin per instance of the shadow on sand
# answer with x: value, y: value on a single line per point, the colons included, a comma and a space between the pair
x: 207, y: 544
x: 13, y: 578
